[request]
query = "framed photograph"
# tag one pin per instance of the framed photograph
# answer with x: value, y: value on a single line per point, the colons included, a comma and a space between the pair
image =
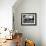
x: 28, y: 18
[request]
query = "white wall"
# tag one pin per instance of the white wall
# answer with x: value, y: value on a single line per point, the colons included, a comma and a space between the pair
x: 43, y: 22
x: 6, y: 13
x: 31, y: 32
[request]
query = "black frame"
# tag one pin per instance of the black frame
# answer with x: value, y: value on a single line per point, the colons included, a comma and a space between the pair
x: 29, y: 14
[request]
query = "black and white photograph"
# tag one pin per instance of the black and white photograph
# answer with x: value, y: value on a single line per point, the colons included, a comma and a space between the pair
x: 28, y: 18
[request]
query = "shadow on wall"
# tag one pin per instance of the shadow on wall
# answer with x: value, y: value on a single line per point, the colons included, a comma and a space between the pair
x: 18, y: 2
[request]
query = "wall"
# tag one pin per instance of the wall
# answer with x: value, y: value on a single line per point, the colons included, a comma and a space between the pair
x: 43, y: 22
x: 6, y: 13
x: 29, y: 32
